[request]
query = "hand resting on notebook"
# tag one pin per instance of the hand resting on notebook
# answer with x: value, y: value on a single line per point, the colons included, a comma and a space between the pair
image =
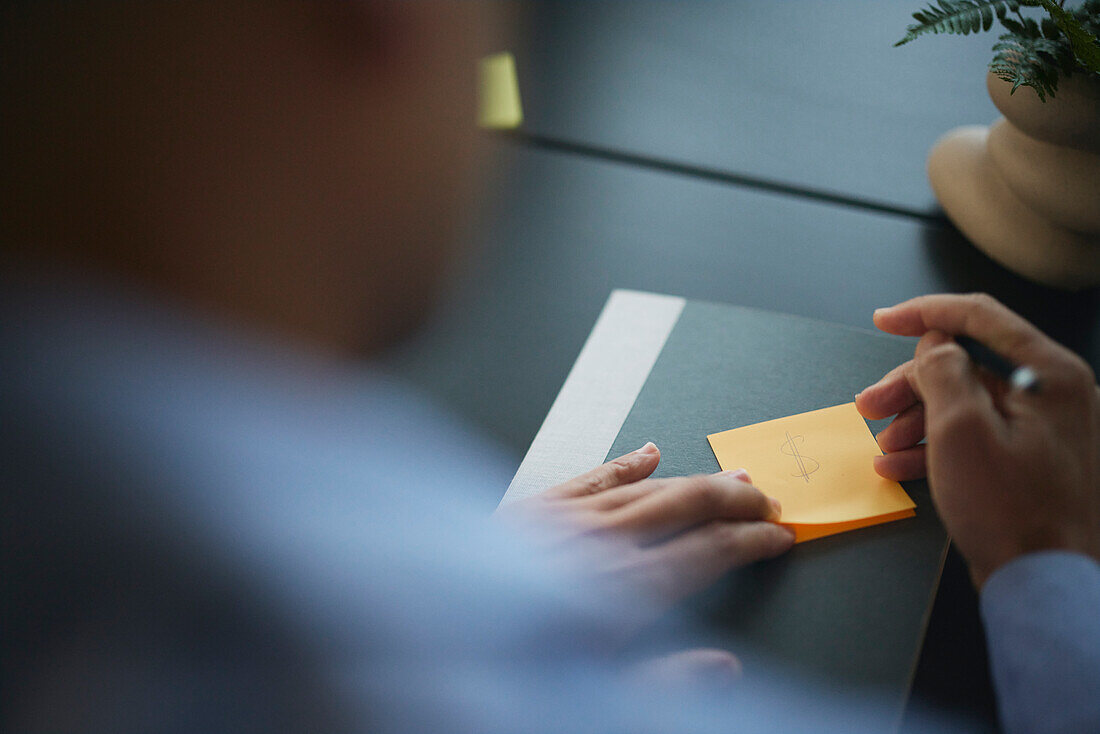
x: 670, y: 537
x: 1011, y: 472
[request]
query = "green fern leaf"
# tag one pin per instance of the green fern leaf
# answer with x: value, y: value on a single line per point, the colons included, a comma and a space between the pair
x: 1010, y: 6
x: 954, y: 16
x: 1084, y: 44
x: 1028, y: 62
x: 1050, y: 29
x: 1035, y: 53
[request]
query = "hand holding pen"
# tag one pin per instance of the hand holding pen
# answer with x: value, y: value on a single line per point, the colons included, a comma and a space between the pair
x: 1013, y: 463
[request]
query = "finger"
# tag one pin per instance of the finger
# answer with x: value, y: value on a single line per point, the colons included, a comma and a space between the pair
x: 632, y: 467
x: 890, y: 395
x: 904, y: 432
x: 611, y: 499
x: 977, y: 315
x: 619, y: 496
x: 1062, y: 373
x: 897, y: 391
x: 953, y: 394
x: 903, y: 466
x: 694, y: 560
x: 689, y: 501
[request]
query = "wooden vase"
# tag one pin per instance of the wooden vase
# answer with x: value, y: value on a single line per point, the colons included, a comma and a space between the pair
x: 1026, y: 190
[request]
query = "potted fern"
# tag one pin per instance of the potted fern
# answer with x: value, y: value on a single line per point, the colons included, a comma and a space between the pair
x: 1026, y: 190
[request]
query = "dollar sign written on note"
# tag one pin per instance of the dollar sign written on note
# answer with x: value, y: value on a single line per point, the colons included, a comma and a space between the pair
x: 806, y: 465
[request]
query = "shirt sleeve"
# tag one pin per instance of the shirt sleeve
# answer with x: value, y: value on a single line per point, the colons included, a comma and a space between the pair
x: 1042, y: 621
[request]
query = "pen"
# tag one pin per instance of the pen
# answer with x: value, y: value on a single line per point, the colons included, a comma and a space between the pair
x: 1020, y: 377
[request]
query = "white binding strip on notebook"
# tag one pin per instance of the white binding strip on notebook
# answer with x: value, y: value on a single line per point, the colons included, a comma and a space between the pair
x: 599, y: 392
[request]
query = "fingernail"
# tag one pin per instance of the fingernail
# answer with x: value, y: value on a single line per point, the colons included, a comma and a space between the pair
x: 880, y: 311
x: 649, y: 448
x: 777, y: 507
x: 880, y: 463
x: 741, y: 474
x: 857, y: 395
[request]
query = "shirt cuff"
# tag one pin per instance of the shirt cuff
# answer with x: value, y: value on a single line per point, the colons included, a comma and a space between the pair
x: 1042, y: 622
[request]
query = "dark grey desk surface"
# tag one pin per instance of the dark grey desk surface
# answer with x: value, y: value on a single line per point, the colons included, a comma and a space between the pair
x: 806, y: 93
x: 566, y: 229
x: 724, y: 87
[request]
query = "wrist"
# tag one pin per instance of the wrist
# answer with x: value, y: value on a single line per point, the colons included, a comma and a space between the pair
x: 983, y: 571
x: 1040, y: 566
x: 986, y: 558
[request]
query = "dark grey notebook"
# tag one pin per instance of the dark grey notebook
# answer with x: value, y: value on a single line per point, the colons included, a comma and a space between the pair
x: 851, y: 608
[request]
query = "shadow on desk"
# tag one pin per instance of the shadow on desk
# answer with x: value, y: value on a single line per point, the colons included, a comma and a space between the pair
x: 953, y: 671
x: 1071, y: 318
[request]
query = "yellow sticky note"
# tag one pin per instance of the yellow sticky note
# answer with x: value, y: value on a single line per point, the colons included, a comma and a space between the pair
x: 819, y: 466
x: 499, y: 107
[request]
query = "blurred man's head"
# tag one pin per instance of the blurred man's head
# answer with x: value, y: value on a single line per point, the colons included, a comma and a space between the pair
x: 298, y: 165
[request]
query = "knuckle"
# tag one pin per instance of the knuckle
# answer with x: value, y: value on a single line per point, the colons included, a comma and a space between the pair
x: 930, y: 340
x: 748, y: 541
x: 716, y: 499
x: 615, y: 470
x: 752, y: 501
x: 939, y: 357
x: 983, y: 301
x: 1081, y: 375
x: 768, y: 537
x: 1070, y: 375
x: 983, y: 311
x: 958, y: 420
x: 606, y: 522
x: 730, y: 538
x: 703, y: 494
x: 590, y: 483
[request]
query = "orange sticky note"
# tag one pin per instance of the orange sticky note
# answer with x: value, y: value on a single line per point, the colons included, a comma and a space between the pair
x: 819, y: 466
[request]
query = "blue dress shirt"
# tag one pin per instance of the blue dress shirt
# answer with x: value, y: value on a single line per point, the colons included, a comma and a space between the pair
x: 206, y: 530
x: 1042, y: 622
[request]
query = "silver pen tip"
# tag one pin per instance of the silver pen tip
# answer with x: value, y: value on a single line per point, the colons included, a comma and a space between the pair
x: 1024, y: 378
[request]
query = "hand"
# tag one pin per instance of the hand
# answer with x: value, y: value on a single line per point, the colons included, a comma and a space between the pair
x: 673, y: 536
x: 1011, y: 472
